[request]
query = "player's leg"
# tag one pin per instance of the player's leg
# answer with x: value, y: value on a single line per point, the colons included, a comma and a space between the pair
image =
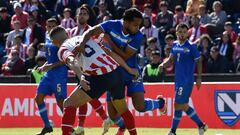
x: 43, y: 90
x: 192, y: 114
x: 77, y: 98
x: 136, y: 91
x: 82, y: 111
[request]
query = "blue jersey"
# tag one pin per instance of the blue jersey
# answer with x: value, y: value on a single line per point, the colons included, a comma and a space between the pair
x: 114, y: 29
x: 52, y: 57
x: 184, y: 61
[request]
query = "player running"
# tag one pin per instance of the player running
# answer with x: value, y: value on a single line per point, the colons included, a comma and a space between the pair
x: 184, y: 54
x: 125, y: 39
x: 53, y: 81
x: 99, y: 70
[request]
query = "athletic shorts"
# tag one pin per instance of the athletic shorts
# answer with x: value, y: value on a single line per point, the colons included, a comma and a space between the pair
x: 183, y: 93
x: 48, y: 86
x: 132, y: 87
x: 111, y: 82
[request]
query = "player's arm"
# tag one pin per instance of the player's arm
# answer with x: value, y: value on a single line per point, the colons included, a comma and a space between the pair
x: 127, y: 53
x: 166, y: 63
x: 45, y: 67
x: 199, y: 72
x: 121, y: 62
x: 94, y: 31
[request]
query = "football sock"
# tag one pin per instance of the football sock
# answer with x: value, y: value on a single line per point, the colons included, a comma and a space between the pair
x: 97, y: 105
x: 150, y: 104
x: 176, y: 119
x: 82, y: 111
x: 43, y: 113
x: 192, y: 114
x: 68, y: 120
x: 129, y: 122
x: 119, y: 122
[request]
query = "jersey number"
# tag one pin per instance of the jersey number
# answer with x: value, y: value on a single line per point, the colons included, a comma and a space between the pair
x: 89, y: 51
x: 178, y: 57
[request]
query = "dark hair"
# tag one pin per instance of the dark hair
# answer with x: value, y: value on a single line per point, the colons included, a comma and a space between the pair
x: 132, y: 13
x: 156, y: 52
x: 182, y: 25
x: 55, y: 30
x: 169, y: 36
x: 83, y: 7
x: 147, y: 5
x: 163, y: 3
x: 178, y: 8
x: 52, y: 20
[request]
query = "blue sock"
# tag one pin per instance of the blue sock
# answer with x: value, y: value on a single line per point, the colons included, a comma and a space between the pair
x: 119, y: 122
x: 192, y: 114
x: 43, y: 113
x: 176, y: 119
x: 150, y: 104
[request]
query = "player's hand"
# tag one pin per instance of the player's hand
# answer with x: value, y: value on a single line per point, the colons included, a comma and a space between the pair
x: 198, y: 82
x: 44, y: 68
x: 85, y: 84
x: 134, y: 72
x: 160, y: 68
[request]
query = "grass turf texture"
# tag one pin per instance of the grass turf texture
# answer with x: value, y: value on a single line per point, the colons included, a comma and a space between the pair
x: 112, y: 131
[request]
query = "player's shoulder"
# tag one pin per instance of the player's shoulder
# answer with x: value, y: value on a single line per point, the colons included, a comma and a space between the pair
x: 138, y: 35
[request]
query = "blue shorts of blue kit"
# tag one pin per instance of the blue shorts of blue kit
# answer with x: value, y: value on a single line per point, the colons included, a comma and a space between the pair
x: 183, y: 93
x: 132, y: 87
x: 48, y: 86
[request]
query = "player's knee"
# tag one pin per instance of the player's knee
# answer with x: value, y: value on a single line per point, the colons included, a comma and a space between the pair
x: 139, y: 107
x: 38, y: 99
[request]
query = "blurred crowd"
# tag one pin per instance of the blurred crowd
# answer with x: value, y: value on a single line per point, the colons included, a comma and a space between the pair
x: 214, y: 25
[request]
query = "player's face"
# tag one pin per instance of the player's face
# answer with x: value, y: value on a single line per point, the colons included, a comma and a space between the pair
x: 82, y: 17
x: 182, y: 34
x: 133, y: 26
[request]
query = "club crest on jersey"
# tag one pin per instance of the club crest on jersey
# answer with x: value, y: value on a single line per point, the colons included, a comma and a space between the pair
x: 227, y: 105
x: 186, y: 50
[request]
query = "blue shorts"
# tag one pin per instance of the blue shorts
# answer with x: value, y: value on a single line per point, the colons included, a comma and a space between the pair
x: 183, y: 93
x: 132, y: 87
x: 48, y: 86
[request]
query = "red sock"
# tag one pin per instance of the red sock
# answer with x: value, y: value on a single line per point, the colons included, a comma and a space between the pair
x: 97, y: 105
x: 68, y: 120
x: 82, y: 111
x: 129, y: 122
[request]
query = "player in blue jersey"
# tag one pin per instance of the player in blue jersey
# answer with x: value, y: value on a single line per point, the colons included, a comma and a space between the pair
x: 124, y: 38
x: 53, y: 81
x: 184, y: 54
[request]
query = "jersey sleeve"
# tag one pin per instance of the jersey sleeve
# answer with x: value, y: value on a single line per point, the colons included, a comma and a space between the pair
x: 64, y: 53
x: 136, y: 42
x: 107, y: 26
x: 194, y: 51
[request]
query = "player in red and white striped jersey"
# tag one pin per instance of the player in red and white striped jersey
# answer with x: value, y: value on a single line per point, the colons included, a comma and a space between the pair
x: 82, y: 26
x: 100, y: 67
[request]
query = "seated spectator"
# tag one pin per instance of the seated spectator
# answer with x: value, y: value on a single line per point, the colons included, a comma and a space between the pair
x: 26, y: 5
x: 67, y: 22
x: 216, y: 62
x: 236, y: 53
x: 14, y: 65
x: 102, y: 6
x: 192, y: 7
x: 229, y: 29
x: 180, y: 16
x: 36, y: 76
x: 40, y: 19
x: 169, y: 39
x: 169, y: 69
x: 12, y: 34
x: 218, y: 16
x: 148, y: 12
x: 62, y: 4
x: 204, y: 16
x: 152, y: 44
x: 148, y: 28
x: 19, y: 15
x: 205, y: 44
x: 151, y: 71
x: 5, y: 25
x: 20, y: 47
x: 226, y: 47
x: 196, y: 30
x: 30, y: 61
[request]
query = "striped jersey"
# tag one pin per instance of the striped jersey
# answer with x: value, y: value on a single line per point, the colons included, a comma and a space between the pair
x: 76, y: 31
x: 68, y: 23
x: 94, y: 62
